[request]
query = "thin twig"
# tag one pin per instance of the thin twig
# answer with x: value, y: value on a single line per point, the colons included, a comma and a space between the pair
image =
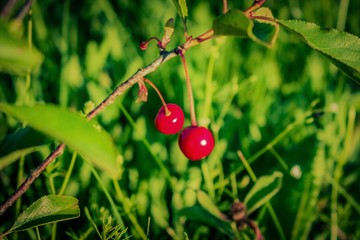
x: 256, y: 5
x: 130, y: 82
x: 34, y: 175
x: 139, y: 75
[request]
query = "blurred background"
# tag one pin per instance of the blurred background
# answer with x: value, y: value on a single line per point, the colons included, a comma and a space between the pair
x: 286, y: 109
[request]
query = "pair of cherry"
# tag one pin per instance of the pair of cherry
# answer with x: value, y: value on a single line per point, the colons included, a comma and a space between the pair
x: 194, y: 141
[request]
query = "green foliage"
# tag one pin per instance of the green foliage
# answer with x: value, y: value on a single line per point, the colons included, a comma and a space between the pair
x: 20, y: 143
x: 264, y: 189
x: 90, y: 141
x: 48, y: 209
x: 16, y: 56
x: 237, y: 23
x: 107, y: 230
x: 341, y: 48
x: 182, y: 9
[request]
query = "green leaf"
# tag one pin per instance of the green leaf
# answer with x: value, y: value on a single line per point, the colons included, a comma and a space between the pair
x: 206, y: 202
x: 233, y: 23
x: 47, y: 209
x: 16, y: 57
x: 207, y: 212
x: 265, y: 28
x: 200, y: 214
x: 182, y: 9
x: 262, y: 29
x: 168, y: 31
x: 20, y: 143
x: 264, y: 189
x: 341, y: 48
x: 93, y: 144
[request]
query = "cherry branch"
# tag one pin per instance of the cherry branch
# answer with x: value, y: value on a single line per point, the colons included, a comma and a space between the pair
x: 135, y: 78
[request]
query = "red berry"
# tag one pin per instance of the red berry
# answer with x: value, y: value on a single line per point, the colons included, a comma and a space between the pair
x: 196, y: 142
x: 171, y: 123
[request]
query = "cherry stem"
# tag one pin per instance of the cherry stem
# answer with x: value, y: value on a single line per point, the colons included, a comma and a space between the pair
x: 189, y: 90
x: 225, y: 6
x: 167, y: 110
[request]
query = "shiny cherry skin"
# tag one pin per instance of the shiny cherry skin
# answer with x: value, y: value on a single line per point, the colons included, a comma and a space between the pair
x: 171, y: 122
x: 196, y: 142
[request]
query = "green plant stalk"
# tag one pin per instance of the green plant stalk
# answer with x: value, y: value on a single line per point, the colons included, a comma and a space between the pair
x: 350, y: 199
x: 209, y: 87
x: 53, y: 231
x: 342, y: 14
x: 338, y: 172
x: 301, y: 209
x: 225, y: 108
x: 127, y: 210
x: 68, y: 174
x: 234, y: 186
x: 108, y: 196
x: 207, y: 178
x: 63, y: 187
x: 272, y: 143
x: 64, y: 49
x: 51, y: 183
x: 280, y: 160
x: 268, y: 204
x: 88, y: 215
x: 247, y: 166
x: 160, y: 163
x: 38, y: 236
x: 276, y: 221
x: 148, y: 229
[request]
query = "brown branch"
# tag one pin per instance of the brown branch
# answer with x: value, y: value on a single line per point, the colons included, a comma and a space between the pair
x: 165, y: 56
x: 34, y: 175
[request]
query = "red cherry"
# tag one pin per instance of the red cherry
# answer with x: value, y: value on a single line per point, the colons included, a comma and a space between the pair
x: 171, y: 123
x: 196, y: 142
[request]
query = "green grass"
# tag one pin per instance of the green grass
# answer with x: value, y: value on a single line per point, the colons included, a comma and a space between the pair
x: 286, y: 109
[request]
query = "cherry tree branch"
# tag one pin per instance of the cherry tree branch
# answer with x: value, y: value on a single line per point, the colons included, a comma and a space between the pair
x: 135, y: 78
